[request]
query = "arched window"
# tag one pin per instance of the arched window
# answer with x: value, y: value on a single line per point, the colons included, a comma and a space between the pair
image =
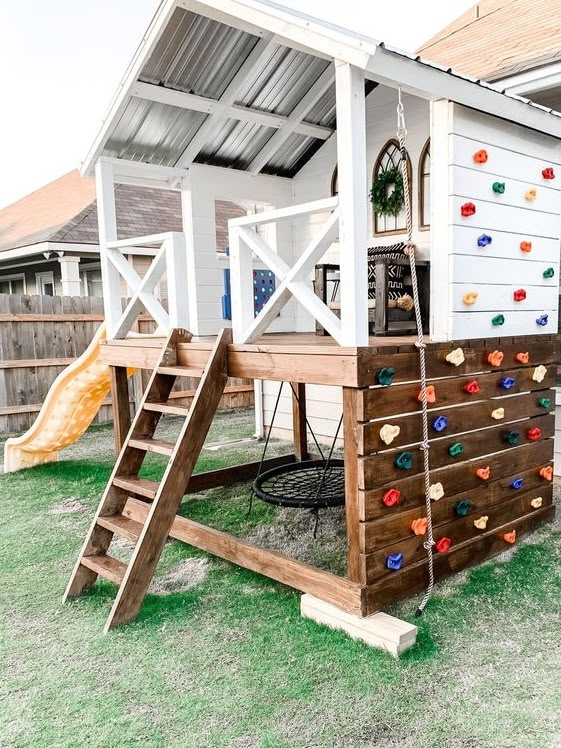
x: 390, y: 158
x: 335, y: 182
x: 424, y: 187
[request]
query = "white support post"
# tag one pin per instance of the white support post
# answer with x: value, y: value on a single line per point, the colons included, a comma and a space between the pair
x: 177, y: 277
x: 241, y: 285
x: 353, y: 190
x: 107, y: 224
x: 190, y: 283
x: 70, y: 275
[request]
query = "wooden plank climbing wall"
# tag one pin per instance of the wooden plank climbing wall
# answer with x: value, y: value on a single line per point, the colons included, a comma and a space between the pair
x: 491, y: 428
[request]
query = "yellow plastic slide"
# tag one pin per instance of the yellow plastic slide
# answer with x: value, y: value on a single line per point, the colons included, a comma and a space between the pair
x: 71, y: 404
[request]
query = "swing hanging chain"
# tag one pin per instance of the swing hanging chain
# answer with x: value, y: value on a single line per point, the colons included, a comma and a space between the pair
x: 421, y: 347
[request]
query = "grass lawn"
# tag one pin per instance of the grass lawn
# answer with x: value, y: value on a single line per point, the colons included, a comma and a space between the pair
x: 220, y: 658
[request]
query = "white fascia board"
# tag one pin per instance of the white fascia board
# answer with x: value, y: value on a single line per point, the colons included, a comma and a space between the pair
x: 532, y: 81
x: 425, y: 81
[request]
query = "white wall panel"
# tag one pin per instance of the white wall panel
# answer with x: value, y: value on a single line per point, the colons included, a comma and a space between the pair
x: 491, y: 217
x: 492, y: 271
x: 505, y: 245
x: 493, y: 298
x: 479, y: 324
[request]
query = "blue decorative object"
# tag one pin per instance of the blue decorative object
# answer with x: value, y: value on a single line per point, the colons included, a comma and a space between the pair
x: 404, y: 461
x: 484, y: 240
x: 227, y: 297
x: 517, y: 484
x: 263, y: 289
x: 394, y: 562
x: 543, y: 320
x: 507, y: 383
x: 440, y: 423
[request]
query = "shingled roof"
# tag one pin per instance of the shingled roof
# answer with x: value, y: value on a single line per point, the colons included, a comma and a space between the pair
x: 496, y: 38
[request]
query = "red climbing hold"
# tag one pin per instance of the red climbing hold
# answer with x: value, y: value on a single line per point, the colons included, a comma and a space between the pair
x: 519, y: 295
x: 391, y: 497
x: 472, y: 388
x: 443, y: 545
x: 548, y: 173
x: 522, y: 358
x: 481, y: 157
x: 534, y: 434
x: 468, y: 209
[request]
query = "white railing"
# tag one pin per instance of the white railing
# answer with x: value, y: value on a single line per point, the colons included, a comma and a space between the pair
x: 169, y: 258
x: 293, y: 281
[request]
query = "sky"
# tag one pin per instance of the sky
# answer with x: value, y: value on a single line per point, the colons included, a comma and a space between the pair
x: 62, y: 60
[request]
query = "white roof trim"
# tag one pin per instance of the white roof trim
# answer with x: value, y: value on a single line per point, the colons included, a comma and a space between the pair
x: 332, y: 42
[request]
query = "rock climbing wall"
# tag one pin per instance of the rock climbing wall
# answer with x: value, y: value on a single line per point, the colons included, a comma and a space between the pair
x: 491, y: 428
x: 496, y: 223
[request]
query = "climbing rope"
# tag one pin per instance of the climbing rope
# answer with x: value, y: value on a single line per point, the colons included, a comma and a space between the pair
x: 421, y: 347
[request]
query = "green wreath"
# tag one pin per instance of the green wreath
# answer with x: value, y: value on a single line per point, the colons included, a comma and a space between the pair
x: 388, y: 203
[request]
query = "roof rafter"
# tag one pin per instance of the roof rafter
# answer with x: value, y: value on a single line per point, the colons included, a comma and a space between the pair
x: 214, y: 122
x: 196, y: 103
x: 323, y: 83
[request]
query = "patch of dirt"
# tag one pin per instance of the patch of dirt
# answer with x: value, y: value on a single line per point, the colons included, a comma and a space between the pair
x: 185, y: 576
x: 68, y: 506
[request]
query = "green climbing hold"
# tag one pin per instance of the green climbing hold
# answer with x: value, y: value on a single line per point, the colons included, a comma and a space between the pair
x: 513, y: 437
x: 385, y: 376
x: 498, y: 320
x: 549, y: 273
x: 499, y: 187
x: 544, y: 402
x: 404, y: 461
x: 462, y: 508
x: 455, y: 449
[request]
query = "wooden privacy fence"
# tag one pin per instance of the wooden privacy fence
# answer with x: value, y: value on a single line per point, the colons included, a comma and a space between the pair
x: 41, y: 335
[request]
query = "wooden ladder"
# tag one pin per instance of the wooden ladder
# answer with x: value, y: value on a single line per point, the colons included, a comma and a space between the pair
x: 150, y: 537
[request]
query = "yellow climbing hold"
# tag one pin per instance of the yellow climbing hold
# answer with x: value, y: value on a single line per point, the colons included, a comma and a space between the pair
x: 470, y: 298
x: 537, y: 502
x: 498, y: 414
x: 539, y: 373
x: 531, y: 194
x: 481, y: 523
x: 456, y: 357
x: 388, y: 433
x: 436, y: 491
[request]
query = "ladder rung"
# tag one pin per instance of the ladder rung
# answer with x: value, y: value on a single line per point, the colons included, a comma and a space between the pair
x: 106, y: 566
x: 170, y: 410
x: 181, y: 371
x: 158, y: 446
x: 137, y: 486
x: 124, y: 527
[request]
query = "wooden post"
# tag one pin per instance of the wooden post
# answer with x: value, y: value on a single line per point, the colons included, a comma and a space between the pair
x: 353, y: 221
x: 121, y: 405
x: 299, y: 421
x: 350, y: 421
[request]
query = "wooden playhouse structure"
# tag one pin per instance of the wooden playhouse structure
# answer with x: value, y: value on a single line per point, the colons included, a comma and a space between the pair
x: 246, y: 101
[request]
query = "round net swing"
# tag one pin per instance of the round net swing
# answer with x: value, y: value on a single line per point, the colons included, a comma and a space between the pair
x: 310, y: 484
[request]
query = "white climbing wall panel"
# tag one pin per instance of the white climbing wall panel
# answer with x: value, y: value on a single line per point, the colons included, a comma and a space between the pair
x: 496, y: 227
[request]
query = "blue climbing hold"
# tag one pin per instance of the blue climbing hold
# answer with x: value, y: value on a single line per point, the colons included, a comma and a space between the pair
x: 404, y: 461
x: 543, y: 320
x: 462, y: 508
x: 507, y: 383
x: 517, y: 484
x: 512, y: 437
x: 440, y: 423
x: 385, y: 376
x: 395, y: 561
x: 484, y: 240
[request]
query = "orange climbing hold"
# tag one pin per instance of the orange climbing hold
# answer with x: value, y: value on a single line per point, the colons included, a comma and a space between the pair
x: 431, y: 394
x: 531, y: 194
x: 419, y: 526
x: 510, y: 537
x: 522, y: 358
x: 470, y: 298
x: 481, y: 157
x: 495, y: 358
x: 526, y: 246
x: 483, y: 473
x: 547, y: 472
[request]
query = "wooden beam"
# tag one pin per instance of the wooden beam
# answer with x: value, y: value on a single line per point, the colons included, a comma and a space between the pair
x: 121, y: 405
x: 352, y: 512
x: 231, y: 475
x: 322, y: 584
x: 299, y: 420
x: 300, y: 111
x: 195, y: 103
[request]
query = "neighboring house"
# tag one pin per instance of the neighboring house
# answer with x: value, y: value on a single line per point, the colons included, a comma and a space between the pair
x: 516, y: 45
x: 49, y: 239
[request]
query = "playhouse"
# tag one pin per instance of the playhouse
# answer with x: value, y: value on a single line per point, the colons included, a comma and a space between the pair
x: 345, y: 153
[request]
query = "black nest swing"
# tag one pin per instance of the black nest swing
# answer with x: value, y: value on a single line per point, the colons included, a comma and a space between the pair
x: 310, y: 484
